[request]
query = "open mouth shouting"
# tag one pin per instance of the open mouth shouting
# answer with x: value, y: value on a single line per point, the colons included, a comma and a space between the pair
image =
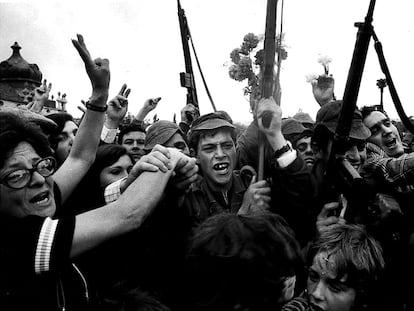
x: 356, y: 166
x: 42, y: 199
x: 390, y: 143
x: 221, y: 168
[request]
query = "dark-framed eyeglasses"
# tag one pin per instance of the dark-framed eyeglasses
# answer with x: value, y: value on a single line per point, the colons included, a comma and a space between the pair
x: 20, y: 178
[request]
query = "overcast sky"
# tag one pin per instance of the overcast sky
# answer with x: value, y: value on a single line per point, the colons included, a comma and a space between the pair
x: 142, y: 41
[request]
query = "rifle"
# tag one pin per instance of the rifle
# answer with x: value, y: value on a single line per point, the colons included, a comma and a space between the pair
x: 268, y: 71
x: 339, y: 173
x: 187, y: 77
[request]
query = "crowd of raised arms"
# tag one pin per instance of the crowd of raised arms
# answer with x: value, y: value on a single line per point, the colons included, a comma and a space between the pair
x: 104, y: 214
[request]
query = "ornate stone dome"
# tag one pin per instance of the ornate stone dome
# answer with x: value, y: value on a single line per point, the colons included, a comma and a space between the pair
x: 16, y: 68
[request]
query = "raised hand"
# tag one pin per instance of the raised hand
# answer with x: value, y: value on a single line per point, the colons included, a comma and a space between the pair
x: 118, y: 107
x: 269, y: 105
x: 189, y: 113
x: 97, y: 70
x: 150, y: 104
x: 323, y: 89
x: 41, y: 96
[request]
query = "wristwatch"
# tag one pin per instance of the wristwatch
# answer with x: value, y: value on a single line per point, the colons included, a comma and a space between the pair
x: 281, y: 151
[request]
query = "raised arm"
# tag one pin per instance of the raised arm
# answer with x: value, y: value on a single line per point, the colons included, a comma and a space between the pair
x: 83, y: 151
x: 149, y: 105
x: 117, y: 109
x: 129, y: 211
x: 41, y: 96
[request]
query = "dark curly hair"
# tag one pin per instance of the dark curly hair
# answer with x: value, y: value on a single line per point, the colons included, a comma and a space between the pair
x: 242, y: 260
x: 60, y: 118
x: 14, y: 130
x: 132, y: 127
x: 366, y: 111
x: 89, y: 193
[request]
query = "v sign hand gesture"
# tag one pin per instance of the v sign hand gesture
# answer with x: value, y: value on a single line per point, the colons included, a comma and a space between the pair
x: 97, y: 70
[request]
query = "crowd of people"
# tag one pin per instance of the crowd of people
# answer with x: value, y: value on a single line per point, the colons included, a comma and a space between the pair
x: 104, y: 214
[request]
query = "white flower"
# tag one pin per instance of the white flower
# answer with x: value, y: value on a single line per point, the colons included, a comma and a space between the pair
x: 324, y: 60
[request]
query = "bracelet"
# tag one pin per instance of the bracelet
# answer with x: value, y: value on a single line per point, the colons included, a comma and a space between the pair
x: 96, y: 108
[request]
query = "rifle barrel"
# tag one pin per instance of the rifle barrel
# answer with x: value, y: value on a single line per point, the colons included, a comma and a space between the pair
x: 268, y: 79
x: 269, y: 49
x: 185, y: 35
x: 355, y: 75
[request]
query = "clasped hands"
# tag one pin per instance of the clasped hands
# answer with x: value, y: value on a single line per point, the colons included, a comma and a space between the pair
x: 165, y: 159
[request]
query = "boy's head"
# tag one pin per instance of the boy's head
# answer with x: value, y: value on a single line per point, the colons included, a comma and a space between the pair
x: 344, y: 266
x: 212, y: 141
x: 247, y: 260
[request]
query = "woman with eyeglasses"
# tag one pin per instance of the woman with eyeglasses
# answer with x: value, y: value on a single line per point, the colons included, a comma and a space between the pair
x: 37, y: 246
